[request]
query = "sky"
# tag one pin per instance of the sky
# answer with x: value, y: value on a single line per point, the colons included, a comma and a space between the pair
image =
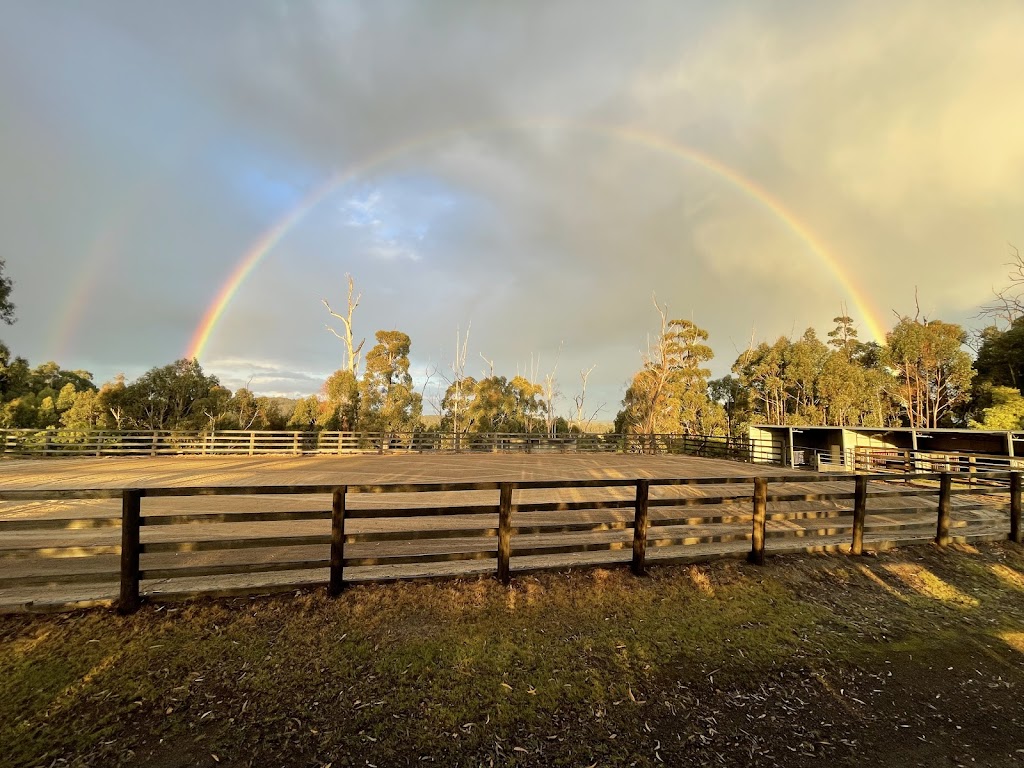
x: 194, y: 178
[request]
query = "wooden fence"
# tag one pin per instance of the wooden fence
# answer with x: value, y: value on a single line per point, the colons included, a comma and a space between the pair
x: 68, y: 442
x: 905, y: 461
x: 390, y: 531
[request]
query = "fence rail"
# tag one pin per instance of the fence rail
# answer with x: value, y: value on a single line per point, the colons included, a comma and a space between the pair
x: 69, y: 442
x: 367, y: 532
x: 904, y: 461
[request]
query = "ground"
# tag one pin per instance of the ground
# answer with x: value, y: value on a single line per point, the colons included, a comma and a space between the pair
x: 913, y: 657
x: 38, y: 579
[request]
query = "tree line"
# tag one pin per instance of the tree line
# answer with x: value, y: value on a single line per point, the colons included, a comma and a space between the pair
x: 923, y: 376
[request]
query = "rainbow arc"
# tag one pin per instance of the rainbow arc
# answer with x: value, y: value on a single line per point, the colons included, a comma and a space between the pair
x: 267, y: 241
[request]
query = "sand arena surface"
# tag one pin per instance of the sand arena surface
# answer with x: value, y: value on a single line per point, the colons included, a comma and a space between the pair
x: 907, y: 517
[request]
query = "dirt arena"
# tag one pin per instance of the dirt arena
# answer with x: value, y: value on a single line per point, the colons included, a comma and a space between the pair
x: 354, y: 469
x: 705, y: 538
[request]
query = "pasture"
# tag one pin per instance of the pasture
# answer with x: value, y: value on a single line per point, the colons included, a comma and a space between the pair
x: 911, y: 658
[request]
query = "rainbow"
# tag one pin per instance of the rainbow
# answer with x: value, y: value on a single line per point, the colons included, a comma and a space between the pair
x: 70, y: 318
x: 271, y: 237
x: 106, y: 246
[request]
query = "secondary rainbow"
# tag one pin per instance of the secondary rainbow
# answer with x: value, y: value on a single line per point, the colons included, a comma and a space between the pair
x: 271, y: 237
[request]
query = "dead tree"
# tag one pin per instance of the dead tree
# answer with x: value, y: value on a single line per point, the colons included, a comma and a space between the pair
x: 352, y: 351
x: 580, y: 401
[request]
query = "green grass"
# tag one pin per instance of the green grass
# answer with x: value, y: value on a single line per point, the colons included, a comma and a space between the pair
x: 562, y: 669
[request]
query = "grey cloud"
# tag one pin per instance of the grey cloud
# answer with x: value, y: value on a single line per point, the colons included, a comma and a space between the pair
x: 890, y: 132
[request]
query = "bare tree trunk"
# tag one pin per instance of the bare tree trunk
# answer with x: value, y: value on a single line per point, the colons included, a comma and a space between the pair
x: 352, y: 351
x: 581, y: 399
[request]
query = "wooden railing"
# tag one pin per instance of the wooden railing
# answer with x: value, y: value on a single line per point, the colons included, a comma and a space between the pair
x: 390, y: 531
x: 68, y: 442
x: 894, y: 460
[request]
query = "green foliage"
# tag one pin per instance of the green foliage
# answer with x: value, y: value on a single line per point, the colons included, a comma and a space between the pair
x: 14, y: 375
x: 1001, y: 356
x: 36, y: 397
x: 6, y: 307
x: 932, y: 374
x: 455, y: 405
x: 495, y: 404
x: 341, y: 394
x: 805, y: 382
x: 246, y: 411
x: 175, y: 396
x: 20, y: 412
x: 387, y: 402
x: 669, y: 394
x: 307, y: 414
x: 731, y: 395
x: 51, y: 375
x: 86, y: 411
x: 1006, y: 410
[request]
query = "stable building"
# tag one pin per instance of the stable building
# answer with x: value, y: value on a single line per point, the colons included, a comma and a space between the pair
x: 847, y: 449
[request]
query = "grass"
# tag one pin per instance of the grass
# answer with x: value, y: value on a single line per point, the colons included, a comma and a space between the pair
x: 701, y: 665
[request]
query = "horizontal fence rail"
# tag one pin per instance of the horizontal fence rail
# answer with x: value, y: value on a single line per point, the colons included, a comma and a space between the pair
x: 219, y: 540
x: 53, y: 443
x: 903, y: 461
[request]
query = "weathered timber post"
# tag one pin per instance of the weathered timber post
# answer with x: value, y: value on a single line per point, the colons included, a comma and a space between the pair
x: 760, y: 515
x: 1015, y: 532
x: 131, y: 512
x: 643, y: 491
x: 860, y: 512
x: 942, y: 527
x: 337, y: 582
x: 252, y: 443
x: 505, y: 534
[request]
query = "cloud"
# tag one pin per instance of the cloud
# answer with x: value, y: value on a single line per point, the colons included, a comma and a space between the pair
x: 145, y: 154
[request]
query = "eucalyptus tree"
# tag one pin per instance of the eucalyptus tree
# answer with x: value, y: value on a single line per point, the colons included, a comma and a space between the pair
x: 387, y: 401
x: 670, y: 391
x: 932, y: 373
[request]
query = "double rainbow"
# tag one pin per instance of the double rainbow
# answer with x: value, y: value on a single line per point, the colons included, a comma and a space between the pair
x: 271, y: 237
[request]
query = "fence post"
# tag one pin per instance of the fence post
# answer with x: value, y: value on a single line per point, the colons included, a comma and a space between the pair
x: 337, y: 582
x: 860, y: 510
x: 643, y: 490
x: 1015, y: 532
x: 942, y: 528
x: 131, y: 506
x: 505, y: 534
x: 760, y: 515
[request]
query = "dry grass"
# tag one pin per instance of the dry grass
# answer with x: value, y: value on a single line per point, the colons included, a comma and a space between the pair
x: 724, y: 664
